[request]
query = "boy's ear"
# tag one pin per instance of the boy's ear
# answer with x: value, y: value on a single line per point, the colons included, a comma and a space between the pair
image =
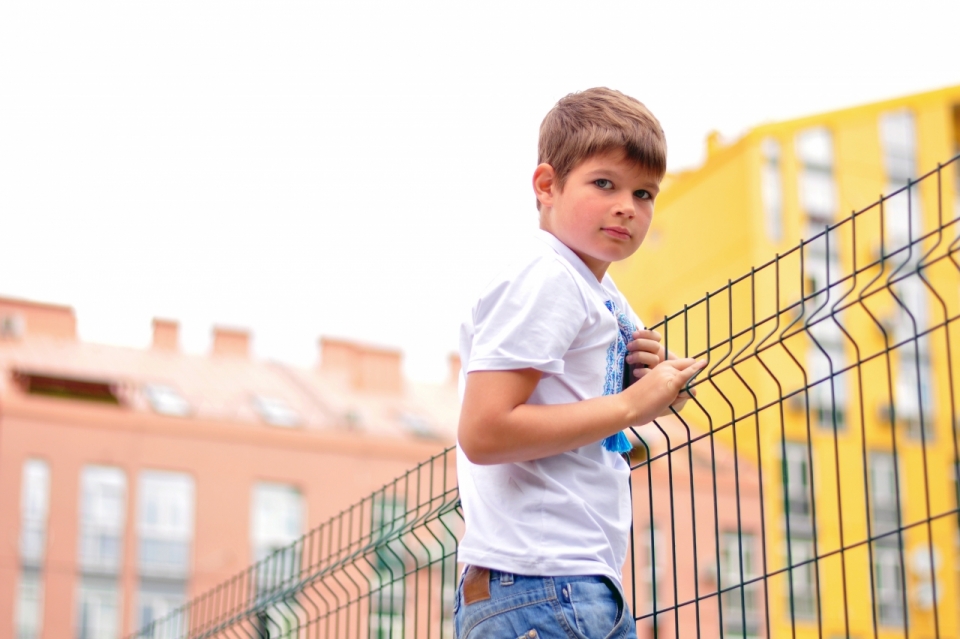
x: 544, y: 184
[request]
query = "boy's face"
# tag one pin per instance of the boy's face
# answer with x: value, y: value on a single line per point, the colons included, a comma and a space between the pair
x: 603, y: 211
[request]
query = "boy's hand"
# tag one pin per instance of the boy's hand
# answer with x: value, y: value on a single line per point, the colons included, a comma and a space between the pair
x: 663, y: 385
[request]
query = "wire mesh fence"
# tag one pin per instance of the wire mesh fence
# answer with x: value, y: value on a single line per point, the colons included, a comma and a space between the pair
x: 809, y: 489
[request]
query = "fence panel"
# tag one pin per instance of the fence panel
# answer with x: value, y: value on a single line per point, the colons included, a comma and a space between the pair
x: 808, y: 489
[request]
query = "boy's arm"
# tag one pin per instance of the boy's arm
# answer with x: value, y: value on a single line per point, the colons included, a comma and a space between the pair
x: 497, y: 426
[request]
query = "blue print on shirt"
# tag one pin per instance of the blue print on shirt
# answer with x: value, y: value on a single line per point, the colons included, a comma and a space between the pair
x: 613, y: 382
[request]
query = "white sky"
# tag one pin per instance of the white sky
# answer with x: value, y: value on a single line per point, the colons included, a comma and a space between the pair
x: 354, y: 168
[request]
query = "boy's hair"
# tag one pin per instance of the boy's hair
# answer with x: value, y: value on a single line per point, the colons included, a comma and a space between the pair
x: 597, y: 120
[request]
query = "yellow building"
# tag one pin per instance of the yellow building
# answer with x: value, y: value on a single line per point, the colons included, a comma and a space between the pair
x: 831, y: 361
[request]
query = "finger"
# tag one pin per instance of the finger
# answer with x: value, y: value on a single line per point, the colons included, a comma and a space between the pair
x: 643, y: 359
x: 647, y: 334
x: 649, y: 345
x: 640, y: 372
x: 685, y: 374
x: 680, y: 364
x: 692, y: 371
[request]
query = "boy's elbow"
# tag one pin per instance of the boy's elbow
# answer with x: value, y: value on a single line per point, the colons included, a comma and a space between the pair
x: 476, y: 449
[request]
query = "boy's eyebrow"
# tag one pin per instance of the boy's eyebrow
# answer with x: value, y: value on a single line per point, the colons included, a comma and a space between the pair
x: 653, y: 187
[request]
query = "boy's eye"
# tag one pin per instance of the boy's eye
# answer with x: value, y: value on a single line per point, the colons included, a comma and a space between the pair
x: 642, y: 194
x: 603, y: 183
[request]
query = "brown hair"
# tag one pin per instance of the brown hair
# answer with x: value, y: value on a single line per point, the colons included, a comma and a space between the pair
x: 597, y: 120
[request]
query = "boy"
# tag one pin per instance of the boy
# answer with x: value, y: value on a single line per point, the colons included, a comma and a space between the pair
x: 542, y: 480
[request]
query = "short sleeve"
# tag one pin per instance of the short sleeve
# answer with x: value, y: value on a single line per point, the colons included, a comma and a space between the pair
x: 528, y: 320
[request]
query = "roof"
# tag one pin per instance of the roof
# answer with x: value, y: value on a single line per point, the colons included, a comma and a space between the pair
x: 231, y: 388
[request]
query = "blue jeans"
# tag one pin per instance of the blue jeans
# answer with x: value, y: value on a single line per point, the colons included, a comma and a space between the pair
x: 521, y: 607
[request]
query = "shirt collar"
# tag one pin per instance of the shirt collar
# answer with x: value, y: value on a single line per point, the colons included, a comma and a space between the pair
x: 567, y: 253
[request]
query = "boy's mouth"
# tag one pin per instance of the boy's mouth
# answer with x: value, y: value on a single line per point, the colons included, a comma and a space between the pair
x: 617, y: 231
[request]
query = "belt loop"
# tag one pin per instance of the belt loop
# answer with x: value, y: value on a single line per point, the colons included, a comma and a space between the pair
x: 506, y: 578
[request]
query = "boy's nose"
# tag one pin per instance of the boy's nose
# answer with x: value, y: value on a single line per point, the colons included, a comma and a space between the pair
x: 626, y: 209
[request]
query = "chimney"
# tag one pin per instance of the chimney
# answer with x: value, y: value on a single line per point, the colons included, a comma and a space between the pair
x: 21, y: 318
x: 714, y: 143
x: 367, y: 368
x: 166, y: 335
x: 233, y: 342
x: 454, y: 362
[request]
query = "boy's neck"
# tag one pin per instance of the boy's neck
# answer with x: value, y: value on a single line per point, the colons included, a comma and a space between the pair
x: 599, y: 269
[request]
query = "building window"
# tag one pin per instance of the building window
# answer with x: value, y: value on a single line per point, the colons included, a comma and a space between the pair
x: 99, y: 607
x: 166, y: 400
x: 156, y: 600
x: 802, y: 585
x: 826, y: 361
x: 887, y: 566
x: 34, y: 507
x: 798, y: 524
x: 276, y: 412
x: 102, y: 515
x: 165, y: 530
x: 956, y: 165
x: 165, y: 523
x: 914, y: 401
x: 771, y: 188
x: 277, y: 520
x: 387, y: 589
x: 818, y: 191
x: 650, y: 550
x: 898, y: 139
x: 797, y: 488
x: 826, y: 356
x: 740, y: 601
x: 29, y: 611
x: 884, y: 500
x: 888, y: 583
x: 956, y: 499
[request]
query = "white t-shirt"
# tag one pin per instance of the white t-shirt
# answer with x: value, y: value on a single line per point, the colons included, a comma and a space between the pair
x: 568, y: 514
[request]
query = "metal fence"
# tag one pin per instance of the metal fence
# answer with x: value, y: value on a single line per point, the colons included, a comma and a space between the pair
x: 810, y: 488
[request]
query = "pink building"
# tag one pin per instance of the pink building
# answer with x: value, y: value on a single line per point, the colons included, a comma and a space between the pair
x: 700, y: 486
x: 131, y: 480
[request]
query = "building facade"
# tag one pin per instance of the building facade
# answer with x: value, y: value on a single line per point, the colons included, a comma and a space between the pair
x: 851, y: 414
x: 132, y: 480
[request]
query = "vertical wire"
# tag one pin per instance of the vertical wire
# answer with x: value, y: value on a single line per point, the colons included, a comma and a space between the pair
x: 756, y: 413
x: 949, y: 356
x: 865, y: 454
x: 763, y: 523
x: 783, y: 456
x: 923, y: 425
x: 836, y: 444
x: 858, y: 358
x: 653, y: 548
x: 896, y: 451
x: 810, y: 467
x: 806, y: 404
x: 693, y: 502
x: 736, y: 463
x: 893, y: 422
x: 673, y: 521
x: 713, y: 465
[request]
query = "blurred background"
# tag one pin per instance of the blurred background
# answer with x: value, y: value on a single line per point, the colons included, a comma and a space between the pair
x: 237, y: 240
x: 353, y: 169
